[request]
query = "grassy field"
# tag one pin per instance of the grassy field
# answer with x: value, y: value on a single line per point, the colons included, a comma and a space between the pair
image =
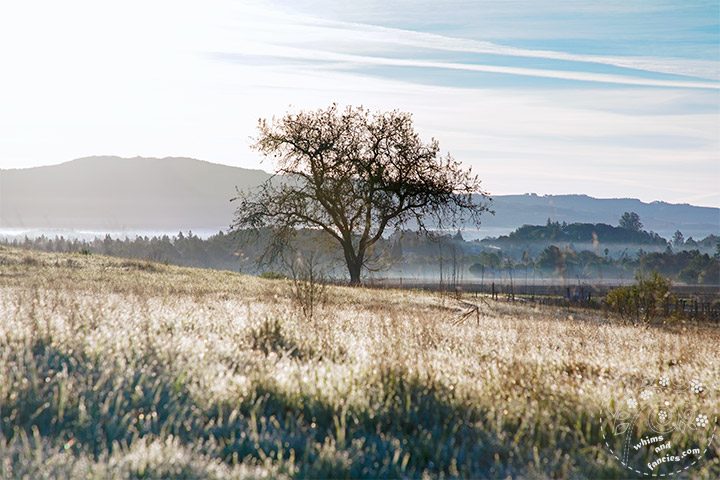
x: 112, y: 368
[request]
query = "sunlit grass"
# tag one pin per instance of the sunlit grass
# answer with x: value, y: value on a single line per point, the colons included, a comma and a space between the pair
x: 113, y: 368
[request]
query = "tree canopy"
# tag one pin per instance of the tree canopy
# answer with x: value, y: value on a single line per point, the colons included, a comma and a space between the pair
x: 354, y: 173
x: 631, y: 221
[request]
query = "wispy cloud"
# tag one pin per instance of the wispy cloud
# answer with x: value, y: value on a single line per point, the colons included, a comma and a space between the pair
x: 348, y: 59
x: 279, y: 35
x: 365, y: 35
x: 531, y: 106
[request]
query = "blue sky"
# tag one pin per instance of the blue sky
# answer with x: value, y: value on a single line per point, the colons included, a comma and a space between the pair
x: 609, y: 98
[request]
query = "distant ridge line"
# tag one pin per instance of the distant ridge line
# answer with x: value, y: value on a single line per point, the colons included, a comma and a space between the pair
x: 179, y: 193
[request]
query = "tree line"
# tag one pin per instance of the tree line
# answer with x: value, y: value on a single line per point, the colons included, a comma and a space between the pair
x: 403, y: 253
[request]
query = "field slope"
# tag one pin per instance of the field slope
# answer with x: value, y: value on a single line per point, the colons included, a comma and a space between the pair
x: 122, y: 369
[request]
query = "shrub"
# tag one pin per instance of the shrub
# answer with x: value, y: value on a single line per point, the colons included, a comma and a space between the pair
x: 268, y: 337
x: 643, y: 301
x: 29, y: 261
x: 309, y: 290
x: 144, y: 266
x: 273, y: 276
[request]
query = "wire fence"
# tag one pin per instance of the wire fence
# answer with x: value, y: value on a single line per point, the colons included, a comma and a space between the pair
x: 692, y: 302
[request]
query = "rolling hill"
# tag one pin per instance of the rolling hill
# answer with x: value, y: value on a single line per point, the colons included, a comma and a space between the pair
x: 174, y: 193
x: 119, y: 194
x: 661, y: 217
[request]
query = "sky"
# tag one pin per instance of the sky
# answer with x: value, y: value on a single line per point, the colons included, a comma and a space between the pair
x: 606, y: 98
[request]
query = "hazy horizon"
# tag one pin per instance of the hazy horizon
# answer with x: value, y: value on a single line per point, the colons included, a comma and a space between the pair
x: 134, y: 195
x: 263, y: 168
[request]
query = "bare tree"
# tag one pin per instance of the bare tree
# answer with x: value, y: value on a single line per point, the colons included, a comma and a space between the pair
x: 309, y: 287
x: 353, y: 173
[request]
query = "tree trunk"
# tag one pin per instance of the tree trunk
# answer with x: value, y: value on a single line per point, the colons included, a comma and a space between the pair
x: 354, y: 269
x: 354, y: 263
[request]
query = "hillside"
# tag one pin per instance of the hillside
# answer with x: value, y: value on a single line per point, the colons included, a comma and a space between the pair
x: 587, y: 233
x: 116, y: 368
x: 126, y: 194
x: 660, y: 217
x: 116, y: 194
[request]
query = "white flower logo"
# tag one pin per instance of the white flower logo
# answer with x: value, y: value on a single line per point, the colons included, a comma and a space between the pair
x: 666, y: 406
x: 696, y: 387
x: 701, y: 421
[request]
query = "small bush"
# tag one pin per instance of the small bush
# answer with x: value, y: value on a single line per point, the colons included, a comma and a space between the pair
x: 268, y: 337
x: 309, y: 287
x: 143, y: 266
x: 70, y: 263
x: 643, y: 301
x: 29, y: 261
x: 273, y: 276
